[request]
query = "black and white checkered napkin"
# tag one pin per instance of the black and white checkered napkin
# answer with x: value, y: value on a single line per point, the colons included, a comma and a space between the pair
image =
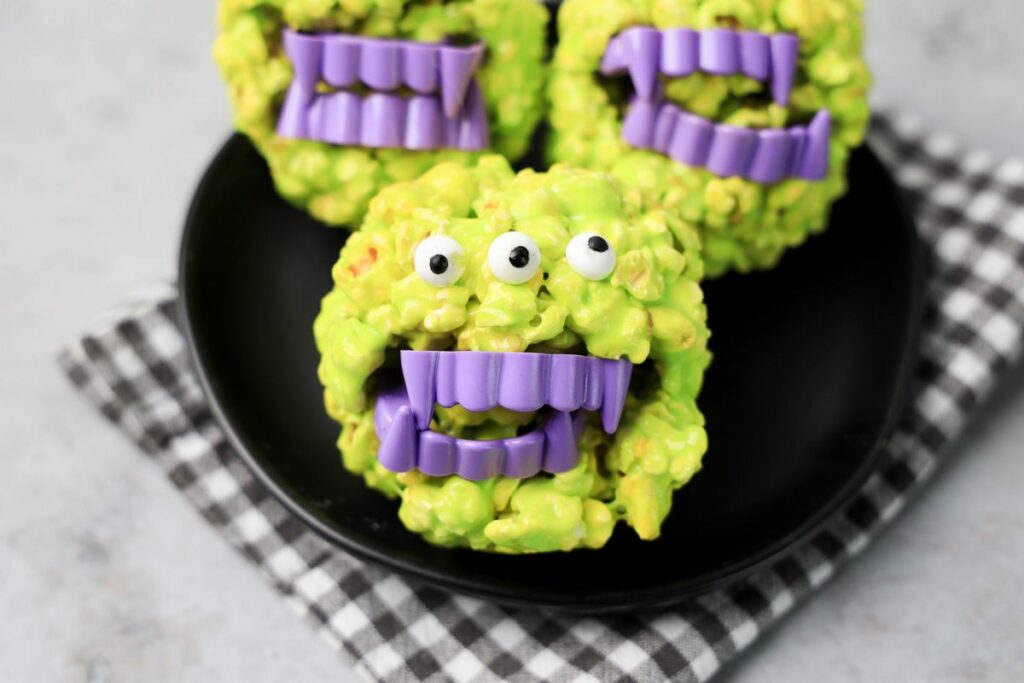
x: 971, y: 213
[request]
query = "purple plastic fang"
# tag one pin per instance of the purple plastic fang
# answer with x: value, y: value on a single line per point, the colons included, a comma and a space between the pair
x: 764, y: 156
x: 480, y: 380
x: 646, y: 52
x: 385, y: 120
x: 447, y: 110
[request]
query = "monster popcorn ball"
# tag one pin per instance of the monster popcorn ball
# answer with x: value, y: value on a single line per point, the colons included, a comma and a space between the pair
x: 736, y: 115
x: 517, y: 357
x: 344, y: 97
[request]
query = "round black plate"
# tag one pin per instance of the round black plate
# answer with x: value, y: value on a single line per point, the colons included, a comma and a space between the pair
x: 811, y: 362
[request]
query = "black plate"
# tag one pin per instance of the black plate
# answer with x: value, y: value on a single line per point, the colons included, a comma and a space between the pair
x: 811, y: 363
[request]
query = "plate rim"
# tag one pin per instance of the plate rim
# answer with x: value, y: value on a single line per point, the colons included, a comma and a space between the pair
x: 607, y: 602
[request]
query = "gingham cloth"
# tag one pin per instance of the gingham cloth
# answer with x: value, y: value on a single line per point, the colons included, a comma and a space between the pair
x: 971, y: 213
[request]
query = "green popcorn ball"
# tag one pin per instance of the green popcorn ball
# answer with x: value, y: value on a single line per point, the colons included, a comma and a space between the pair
x: 648, y: 309
x: 743, y: 225
x: 335, y: 183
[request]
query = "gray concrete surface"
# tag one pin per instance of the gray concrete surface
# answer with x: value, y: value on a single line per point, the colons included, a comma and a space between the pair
x: 110, y: 110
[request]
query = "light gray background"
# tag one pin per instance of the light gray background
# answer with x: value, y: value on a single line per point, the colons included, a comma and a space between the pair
x: 109, y: 111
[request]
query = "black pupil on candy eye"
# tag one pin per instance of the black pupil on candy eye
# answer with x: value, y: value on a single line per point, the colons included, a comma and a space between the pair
x: 438, y: 264
x: 519, y: 257
x: 598, y: 244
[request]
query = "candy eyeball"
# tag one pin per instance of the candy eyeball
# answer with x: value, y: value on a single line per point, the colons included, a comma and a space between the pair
x: 591, y: 256
x: 439, y: 260
x: 513, y: 257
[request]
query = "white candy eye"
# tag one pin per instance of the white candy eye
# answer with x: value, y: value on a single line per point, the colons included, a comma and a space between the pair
x: 591, y: 256
x: 438, y: 260
x: 513, y: 257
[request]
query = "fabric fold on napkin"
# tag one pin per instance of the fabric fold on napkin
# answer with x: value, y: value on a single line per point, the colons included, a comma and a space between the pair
x: 970, y: 211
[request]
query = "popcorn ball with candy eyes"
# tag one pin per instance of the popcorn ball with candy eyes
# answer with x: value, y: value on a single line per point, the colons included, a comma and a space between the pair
x: 736, y: 115
x: 517, y: 357
x: 342, y: 98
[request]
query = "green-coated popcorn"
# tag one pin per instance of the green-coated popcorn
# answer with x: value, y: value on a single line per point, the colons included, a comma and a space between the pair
x: 743, y: 225
x: 335, y: 183
x: 648, y: 308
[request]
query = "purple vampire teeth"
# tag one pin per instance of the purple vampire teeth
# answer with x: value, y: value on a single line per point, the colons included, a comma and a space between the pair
x: 764, y: 156
x: 481, y: 380
x: 646, y: 52
x: 446, y: 109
